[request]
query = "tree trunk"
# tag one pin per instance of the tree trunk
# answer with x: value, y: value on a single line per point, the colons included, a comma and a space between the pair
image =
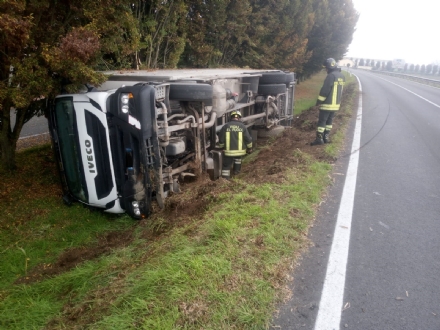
x: 7, y: 147
x: 8, y: 137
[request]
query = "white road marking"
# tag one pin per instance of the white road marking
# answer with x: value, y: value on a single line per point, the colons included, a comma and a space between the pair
x: 331, y: 304
x: 35, y: 135
x: 434, y: 104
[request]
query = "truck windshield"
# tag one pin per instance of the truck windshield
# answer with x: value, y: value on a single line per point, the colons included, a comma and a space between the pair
x: 70, y: 152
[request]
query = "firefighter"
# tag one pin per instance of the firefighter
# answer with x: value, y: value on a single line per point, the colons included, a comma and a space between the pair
x: 235, y: 140
x: 329, y: 101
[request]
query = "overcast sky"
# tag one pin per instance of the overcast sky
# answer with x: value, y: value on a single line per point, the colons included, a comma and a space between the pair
x: 392, y: 29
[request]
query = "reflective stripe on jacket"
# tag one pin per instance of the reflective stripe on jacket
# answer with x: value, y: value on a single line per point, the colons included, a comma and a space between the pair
x: 331, y: 91
x: 234, y: 138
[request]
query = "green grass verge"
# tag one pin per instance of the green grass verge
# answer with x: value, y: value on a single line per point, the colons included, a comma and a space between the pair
x: 35, y: 228
x: 227, y: 270
x: 228, y: 274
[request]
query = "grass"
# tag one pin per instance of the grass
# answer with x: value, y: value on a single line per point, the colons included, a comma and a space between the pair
x: 35, y: 229
x: 221, y: 275
x: 307, y: 92
x: 227, y: 270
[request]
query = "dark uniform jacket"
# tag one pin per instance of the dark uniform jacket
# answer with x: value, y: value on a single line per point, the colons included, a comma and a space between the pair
x: 234, y: 138
x: 331, y: 92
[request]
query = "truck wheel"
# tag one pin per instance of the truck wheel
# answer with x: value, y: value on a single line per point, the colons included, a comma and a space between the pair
x: 290, y: 77
x: 277, y: 77
x: 273, y: 131
x: 190, y: 92
x: 273, y: 89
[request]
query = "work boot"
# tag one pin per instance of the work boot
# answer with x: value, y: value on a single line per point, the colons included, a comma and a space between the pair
x: 326, y: 137
x: 226, y: 174
x: 319, y: 139
x: 237, y: 167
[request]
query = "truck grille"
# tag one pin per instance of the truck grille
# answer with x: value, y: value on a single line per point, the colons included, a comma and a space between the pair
x: 149, y: 152
x: 103, y: 180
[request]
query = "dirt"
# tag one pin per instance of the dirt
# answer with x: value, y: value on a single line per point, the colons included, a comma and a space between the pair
x: 74, y: 256
x: 30, y: 141
x: 180, y: 209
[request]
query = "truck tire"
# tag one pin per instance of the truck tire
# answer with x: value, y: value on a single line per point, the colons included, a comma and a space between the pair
x: 273, y: 131
x: 272, y: 89
x: 290, y: 76
x: 190, y: 92
x: 278, y: 77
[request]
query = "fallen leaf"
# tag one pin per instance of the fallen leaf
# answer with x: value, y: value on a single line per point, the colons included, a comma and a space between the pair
x: 346, y: 306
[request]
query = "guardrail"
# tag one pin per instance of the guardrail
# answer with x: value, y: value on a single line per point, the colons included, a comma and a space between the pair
x: 425, y: 81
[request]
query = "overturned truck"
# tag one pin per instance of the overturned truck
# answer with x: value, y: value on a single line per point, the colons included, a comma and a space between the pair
x: 128, y: 143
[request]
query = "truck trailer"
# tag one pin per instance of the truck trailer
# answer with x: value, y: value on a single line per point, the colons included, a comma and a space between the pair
x: 130, y: 142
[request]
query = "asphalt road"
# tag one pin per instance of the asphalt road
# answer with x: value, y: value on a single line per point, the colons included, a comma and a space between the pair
x: 393, y: 267
x: 35, y: 126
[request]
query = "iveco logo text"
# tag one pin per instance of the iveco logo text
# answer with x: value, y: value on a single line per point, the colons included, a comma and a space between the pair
x: 90, y: 160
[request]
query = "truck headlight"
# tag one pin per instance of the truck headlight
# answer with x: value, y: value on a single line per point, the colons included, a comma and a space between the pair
x: 136, y: 209
x: 125, y: 100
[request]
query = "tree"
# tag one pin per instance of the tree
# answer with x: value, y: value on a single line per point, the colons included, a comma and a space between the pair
x: 389, y: 66
x: 204, y: 23
x: 429, y: 69
x: 236, y: 33
x: 50, y: 45
x: 231, y: 39
x: 212, y: 38
x: 332, y: 32
x: 162, y: 28
x: 286, y: 47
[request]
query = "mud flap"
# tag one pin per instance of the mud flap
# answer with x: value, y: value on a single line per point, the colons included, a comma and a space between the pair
x: 214, y: 164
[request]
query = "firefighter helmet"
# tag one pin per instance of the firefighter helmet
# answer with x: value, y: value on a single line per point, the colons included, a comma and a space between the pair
x: 329, y: 64
x: 236, y: 113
